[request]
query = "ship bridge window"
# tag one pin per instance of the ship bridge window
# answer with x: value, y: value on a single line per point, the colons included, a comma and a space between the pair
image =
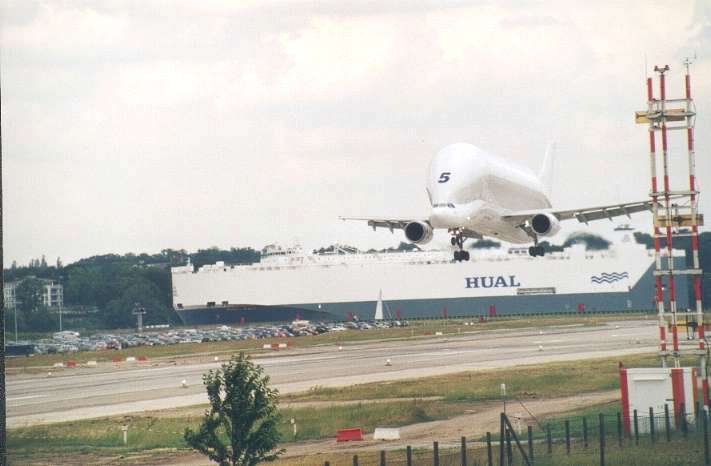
x: 447, y: 205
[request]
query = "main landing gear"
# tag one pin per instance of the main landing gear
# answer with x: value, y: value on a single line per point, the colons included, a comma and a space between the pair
x: 534, y: 251
x: 461, y: 254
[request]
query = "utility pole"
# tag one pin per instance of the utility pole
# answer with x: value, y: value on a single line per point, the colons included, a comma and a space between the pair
x: 15, y: 319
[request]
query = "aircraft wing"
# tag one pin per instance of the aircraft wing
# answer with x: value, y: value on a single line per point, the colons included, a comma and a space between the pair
x: 389, y: 223
x: 400, y: 224
x: 584, y: 215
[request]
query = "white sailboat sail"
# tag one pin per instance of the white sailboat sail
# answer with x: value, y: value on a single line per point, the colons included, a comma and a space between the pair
x: 379, y: 307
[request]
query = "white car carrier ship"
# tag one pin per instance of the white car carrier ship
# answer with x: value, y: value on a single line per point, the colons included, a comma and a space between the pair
x: 345, y: 283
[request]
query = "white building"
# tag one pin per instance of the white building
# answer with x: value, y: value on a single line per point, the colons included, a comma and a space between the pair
x: 52, y: 294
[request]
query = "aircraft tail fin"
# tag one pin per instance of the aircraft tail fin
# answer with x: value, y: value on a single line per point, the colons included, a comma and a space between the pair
x: 546, y: 173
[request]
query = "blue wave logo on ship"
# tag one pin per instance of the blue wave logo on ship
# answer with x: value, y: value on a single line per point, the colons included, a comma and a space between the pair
x: 605, y: 277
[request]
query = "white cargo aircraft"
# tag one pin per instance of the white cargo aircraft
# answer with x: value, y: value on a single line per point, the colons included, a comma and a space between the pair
x: 475, y: 194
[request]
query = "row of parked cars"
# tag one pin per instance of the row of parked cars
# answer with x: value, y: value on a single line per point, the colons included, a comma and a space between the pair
x: 70, y: 342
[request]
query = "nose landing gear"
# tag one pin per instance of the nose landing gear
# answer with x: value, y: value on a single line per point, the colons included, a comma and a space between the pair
x: 458, y: 240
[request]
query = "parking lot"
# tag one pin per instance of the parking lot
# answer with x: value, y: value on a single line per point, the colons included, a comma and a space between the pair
x: 72, y: 342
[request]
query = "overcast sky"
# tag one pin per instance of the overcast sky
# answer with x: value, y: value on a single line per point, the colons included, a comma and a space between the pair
x: 133, y: 126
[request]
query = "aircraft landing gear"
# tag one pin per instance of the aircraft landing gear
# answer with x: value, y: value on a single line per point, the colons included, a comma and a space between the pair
x: 461, y: 254
x: 534, y: 251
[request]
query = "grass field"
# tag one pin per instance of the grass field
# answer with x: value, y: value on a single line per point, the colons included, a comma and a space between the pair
x: 157, y: 432
x: 417, y: 329
x: 461, y: 392
x: 529, y: 381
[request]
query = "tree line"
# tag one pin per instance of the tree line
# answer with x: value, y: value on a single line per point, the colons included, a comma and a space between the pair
x: 104, y: 289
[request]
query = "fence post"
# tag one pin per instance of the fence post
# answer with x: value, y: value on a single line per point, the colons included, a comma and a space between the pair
x: 530, y: 444
x: 464, y: 451
x: 602, y: 439
x: 355, y: 460
x: 707, y: 461
x: 667, y: 422
x: 684, y: 426
x: 489, y: 453
x: 408, y: 453
x: 382, y: 458
x: 435, y: 453
x: 619, y: 429
x: 549, y: 438
x: 567, y: 437
x: 652, y: 424
x: 585, y: 432
x: 502, y: 441
x: 636, y: 427
x: 509, y: 450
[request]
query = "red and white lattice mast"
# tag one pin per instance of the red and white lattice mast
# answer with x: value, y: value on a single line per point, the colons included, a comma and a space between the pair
x: 676, y: 213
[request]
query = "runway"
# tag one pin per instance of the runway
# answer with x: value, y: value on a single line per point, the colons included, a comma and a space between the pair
x: 104, y: 391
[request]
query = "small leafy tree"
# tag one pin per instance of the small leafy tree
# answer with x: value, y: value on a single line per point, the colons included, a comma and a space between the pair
x: 240, y: 428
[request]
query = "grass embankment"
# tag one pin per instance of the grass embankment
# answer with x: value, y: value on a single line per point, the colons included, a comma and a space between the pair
x: 417, y: 329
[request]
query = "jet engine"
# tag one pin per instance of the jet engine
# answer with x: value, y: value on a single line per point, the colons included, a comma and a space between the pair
x: 545, y: 224
x: 418, y: 232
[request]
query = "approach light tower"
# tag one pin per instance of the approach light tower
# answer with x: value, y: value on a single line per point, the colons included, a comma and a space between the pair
x: 676, y: 215
x: 138, y: 311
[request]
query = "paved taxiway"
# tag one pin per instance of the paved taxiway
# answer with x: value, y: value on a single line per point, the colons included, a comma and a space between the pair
x: 103, y: 391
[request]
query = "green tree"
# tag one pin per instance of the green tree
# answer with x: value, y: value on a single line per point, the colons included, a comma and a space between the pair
x: 29, y: 294
x: 243, y: 410
x: 81, y: 286
x: 119, y: 312
x: 35, y: 315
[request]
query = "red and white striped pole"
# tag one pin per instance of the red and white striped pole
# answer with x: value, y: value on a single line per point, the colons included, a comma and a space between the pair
x: 668, y: 214
x: 655, y: 207
x: 695, y: 239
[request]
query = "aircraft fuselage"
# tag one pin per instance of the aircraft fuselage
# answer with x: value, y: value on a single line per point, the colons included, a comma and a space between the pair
x: 472, y: 189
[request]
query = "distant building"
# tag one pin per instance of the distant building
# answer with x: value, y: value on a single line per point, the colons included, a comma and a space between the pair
x: 10, y: 296
x: 52, y: 294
